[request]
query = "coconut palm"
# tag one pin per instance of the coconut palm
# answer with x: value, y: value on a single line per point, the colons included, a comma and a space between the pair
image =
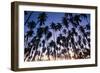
x: 58, y: 39
x: 52, y: 44
x: 48, y: 36
x: 36, y: 45
x: 82, y: 30
x: 31, y: 25
x: 73, y: 33
x: 84, y: 16
x: 87, y: 27
x: 75, y: 20
x: 44, y: 48
x: 59, y: 27
x: 65, y: 22
x: 42, y: 18
x: 55, y: 28
x: 42, y: 30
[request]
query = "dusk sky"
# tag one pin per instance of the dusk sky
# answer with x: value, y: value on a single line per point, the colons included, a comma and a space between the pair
x: 55, y: 17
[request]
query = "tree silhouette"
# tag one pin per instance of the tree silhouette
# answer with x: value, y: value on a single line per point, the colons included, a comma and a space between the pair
x: 52, y: 39
x: 65, y: 22
x: 42, y: 18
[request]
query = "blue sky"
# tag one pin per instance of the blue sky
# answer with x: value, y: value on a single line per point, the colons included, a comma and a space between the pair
x: 55, y: 17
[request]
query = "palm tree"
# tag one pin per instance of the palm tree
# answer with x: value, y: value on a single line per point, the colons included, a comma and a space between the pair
x: 48, y: 52
x: 52, y: 44
x: 48, y: 36
x: 42, y: 18
x: 75, y: 20
x: 41, y: 30
x: 36, y: 45
x: 68, y: 18
x: 31, y: 25
x: 64, y: 31
x: 65, y: 22
x: 75, y: 38
x: 87, y: 27
x: 55, y: 27
x: 44, y: 48
x: 59, y: 26
x: 84, y: 16
x: 82, y: 30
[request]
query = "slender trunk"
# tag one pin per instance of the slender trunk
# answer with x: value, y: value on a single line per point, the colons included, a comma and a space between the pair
x: 35, y: 52
x: 31, y: 54
x: 33, y: 59
x: 26, y: 55
x: 40, y: 56
x: 28, y: 18
x: 48, y: 50
x: 48, y: 54
x: 60, y: 46
x: 27, y: 41
x: 54, y: 46
x: 68, y: 55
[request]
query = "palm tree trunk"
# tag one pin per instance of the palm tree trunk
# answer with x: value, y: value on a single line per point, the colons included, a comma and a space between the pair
x: 54, y: 48
x: 33, y: 59
x: 28, y: 18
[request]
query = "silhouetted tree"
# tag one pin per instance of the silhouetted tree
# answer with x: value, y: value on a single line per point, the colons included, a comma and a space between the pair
x: 42, y: 18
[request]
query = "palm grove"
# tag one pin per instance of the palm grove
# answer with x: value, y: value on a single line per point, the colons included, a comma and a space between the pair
x: 66, y: 39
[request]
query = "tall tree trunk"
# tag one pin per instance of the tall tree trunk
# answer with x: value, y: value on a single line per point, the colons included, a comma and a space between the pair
x: 28, y: 18
x: 54, y: 47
